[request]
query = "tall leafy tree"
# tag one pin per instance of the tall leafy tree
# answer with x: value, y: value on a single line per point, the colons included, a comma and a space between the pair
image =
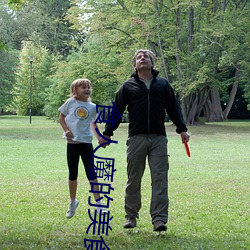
x: 91, y: 63
x: 9, y: 58
x: 32, y: 79
x: 7, y: 25
x: 17, y: 4
x: 45, y: 19
x: 190, y: 39
x: 199, y: 45
x: 8, y: 65
x: 33, y: 22
x: 220, y: 32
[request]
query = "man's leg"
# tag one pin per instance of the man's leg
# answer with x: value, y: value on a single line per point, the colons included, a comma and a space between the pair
x: 158, y: 163
x: 136, y: 159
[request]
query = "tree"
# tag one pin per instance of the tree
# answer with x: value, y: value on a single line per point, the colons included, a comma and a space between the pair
x: 8, y: 64
x: 45, y: 19
x: 90, y: 63
x: 9, y: 59
x: 201, y: 47
x: 192, y: 40
x: 39, y: 80
x: 32, y: 22
x: 17, y: 4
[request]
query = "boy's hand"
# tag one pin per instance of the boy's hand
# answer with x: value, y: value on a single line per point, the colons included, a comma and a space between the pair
x: 69, y: 134
x: 102, y: 140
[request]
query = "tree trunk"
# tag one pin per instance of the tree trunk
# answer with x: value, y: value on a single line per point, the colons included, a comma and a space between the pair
x: 203, y: 95
x: 190, y: 28
x: 213, y: 108
x: 178, y: 43
x: 232, y: 93
x: 193, y: 100
x: 196, y: 102
x: 160, y: 40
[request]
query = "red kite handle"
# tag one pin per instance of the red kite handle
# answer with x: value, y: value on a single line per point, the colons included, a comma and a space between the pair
x: 187, y: 148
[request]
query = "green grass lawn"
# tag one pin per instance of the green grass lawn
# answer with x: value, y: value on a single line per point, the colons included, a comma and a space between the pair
x: 209, y: 192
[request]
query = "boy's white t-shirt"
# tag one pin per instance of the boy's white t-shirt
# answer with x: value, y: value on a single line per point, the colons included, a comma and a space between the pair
x: 78, y: 116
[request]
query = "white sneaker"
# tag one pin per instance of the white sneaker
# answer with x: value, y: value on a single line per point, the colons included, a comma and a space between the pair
x: 101, y: 210
x: 72, y: 208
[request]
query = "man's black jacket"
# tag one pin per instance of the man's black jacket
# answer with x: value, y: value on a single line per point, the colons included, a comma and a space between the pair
x: 147, y: 107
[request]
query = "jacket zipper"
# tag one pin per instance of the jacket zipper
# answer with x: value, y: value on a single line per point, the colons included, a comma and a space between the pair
x: 149, y: 108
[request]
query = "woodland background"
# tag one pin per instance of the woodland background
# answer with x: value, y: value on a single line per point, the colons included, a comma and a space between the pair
x: 202, y: 48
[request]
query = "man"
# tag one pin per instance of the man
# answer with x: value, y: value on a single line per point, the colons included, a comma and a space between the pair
x: 147, y: 98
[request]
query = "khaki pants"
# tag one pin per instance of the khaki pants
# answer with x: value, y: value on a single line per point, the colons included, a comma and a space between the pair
x: 153, y: 147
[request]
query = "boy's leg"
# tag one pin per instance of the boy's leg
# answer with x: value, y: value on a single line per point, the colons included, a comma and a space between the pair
x: 95, y: 188
x: 73, y: 161
x: 88, y: 161
x: 72, y: 189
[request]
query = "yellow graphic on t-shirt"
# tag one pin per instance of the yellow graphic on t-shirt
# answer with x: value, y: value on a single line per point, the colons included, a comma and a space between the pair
x: 81, y: 113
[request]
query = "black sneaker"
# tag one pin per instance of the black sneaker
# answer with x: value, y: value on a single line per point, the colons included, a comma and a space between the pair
x: 159, y: 226
x: 130, y: 223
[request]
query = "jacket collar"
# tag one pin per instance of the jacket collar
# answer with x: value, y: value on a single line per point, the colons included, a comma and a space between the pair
x: 154, y: 73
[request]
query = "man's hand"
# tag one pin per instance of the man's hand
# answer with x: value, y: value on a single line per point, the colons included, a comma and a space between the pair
x: 102, y: 140
x: 185, y: 137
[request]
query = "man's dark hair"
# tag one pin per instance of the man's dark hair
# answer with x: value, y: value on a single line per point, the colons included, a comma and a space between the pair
x: 148, y: 52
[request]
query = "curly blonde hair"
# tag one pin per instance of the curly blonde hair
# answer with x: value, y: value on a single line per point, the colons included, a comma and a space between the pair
x: 77, y: 83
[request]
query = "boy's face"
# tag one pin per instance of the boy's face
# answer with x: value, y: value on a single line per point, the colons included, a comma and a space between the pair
x: 83, y: 92
x: 143, y: 61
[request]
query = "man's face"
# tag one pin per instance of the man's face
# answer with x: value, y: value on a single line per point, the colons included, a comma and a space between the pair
x: 143, y: 61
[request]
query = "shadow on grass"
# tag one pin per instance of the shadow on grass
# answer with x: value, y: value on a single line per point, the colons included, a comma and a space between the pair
x: 132, y: 239
x: 148, y: 240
